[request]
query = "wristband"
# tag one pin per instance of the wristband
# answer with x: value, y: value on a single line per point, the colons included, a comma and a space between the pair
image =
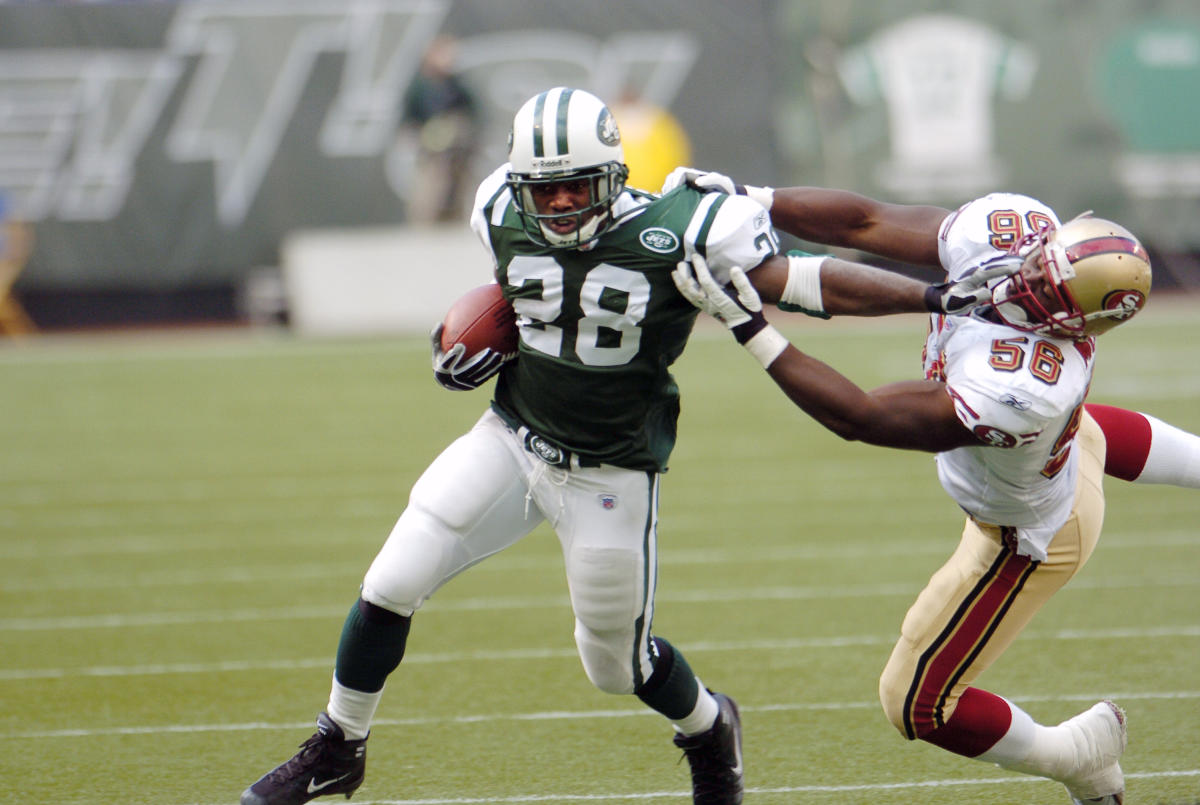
x: 766, y: 345
x: 933, y: 299
x: 803, y: 288
x: 763, y: 195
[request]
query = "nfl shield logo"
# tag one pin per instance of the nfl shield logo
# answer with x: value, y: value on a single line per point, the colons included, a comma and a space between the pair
x: 608, y: 501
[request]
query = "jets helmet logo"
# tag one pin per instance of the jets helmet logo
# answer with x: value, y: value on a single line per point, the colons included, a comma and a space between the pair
x: 606, y: 128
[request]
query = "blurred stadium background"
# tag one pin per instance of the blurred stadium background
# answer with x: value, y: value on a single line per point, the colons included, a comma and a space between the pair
x: 231, y: 162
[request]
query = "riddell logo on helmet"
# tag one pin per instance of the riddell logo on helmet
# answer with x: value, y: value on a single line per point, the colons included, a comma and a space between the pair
x: 1124, y: 303
x: 550, y: 163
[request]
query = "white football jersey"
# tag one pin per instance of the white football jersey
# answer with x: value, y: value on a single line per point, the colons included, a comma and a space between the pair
x: 1022, y: 394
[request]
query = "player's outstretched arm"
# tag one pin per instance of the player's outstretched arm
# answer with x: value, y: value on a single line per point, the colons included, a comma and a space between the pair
x: 828, y: 286
x: 913, y: 415
x: 903, y: 232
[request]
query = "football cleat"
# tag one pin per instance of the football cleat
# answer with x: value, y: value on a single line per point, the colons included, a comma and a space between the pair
x: 326, y: 764
x: 716, y: 757
x: 1100, y: 738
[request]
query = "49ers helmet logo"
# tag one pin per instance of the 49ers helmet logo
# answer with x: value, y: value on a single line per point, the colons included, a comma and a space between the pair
x: 1125, y: 302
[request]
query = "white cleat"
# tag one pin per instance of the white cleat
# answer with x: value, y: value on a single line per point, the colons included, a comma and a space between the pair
x: 1100, y: 737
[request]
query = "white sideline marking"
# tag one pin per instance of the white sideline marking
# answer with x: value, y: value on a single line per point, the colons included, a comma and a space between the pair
x: 550, y: 715
x: 419, y: 658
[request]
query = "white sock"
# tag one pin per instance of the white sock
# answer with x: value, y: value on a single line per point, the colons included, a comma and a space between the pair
x: 1032, y: 748
x: 352, y: 710
x: 702, y: 717
x: 1174, y: 456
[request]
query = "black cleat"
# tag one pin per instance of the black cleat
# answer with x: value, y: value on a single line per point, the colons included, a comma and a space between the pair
x: 326, y: 764
x: 716, y: 757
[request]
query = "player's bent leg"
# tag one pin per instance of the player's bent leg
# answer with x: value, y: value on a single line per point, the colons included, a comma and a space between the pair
x: 468, y: 504
x: 448, y: 525
x: 972, y: 609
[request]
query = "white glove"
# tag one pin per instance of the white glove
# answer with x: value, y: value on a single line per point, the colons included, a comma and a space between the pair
x: 455, y: 371
x: 973, y: 289
x: 741, y: 313
x: 711, y: 180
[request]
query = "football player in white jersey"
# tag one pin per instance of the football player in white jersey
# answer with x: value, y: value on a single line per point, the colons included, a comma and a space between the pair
x: 1002, y: 406
x: 580, y: 428
x: 1141, y: 447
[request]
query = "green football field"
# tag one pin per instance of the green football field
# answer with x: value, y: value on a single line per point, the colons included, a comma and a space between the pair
x: 184, y: 521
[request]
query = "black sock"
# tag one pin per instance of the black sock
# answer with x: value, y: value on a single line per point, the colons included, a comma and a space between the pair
x: 672, y: 688
x: 372, y: 645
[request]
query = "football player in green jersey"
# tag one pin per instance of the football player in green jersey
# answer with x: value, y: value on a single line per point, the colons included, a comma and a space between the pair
x: 579, y: 430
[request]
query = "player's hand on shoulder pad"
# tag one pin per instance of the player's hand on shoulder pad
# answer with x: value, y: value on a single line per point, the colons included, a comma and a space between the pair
x: 455, y: 370
x: 738, y: 307
x: 701, y: 180
x: 973, y: 289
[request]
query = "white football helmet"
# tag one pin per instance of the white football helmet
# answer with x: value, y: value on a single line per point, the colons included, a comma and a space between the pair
x: 1097, y: 276
x: 559, y: 135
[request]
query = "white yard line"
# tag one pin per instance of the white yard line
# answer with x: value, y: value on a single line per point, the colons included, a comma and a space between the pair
x: 551, y: 715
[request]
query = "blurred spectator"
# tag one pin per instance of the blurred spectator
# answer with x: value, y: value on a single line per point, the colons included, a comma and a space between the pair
x: 441, y: 117
x: 16, y: 241
x: 655, y: 142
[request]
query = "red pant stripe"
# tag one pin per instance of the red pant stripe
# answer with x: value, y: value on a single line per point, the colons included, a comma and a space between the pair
x: 951, y: 653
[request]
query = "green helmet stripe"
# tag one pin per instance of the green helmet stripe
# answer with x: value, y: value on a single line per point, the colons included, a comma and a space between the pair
x: 539, y: 107
x: 564, y: 101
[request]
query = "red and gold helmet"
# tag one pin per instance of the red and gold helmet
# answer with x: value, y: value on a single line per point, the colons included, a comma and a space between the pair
x: 1078, y: 280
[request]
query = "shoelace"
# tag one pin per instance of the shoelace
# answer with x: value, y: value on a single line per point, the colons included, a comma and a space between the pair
x: 710, y: 773
x: 310, y: 751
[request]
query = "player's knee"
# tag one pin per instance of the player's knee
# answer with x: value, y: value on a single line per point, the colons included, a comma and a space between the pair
x: 605, y: 660
x: 892, y: 693
x: 415, y: 561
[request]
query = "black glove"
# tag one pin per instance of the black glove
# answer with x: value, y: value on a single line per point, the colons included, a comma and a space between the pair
x: 962, y: 296
x: 458, y: 372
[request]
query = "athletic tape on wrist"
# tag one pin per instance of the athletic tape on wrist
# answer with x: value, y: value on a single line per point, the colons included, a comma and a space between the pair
x: 766, y: 345
x: 763, y: 195
x: 803, y: 287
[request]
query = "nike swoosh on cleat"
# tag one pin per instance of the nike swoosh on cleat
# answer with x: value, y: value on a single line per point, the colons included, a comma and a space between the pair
x: 314, y: 786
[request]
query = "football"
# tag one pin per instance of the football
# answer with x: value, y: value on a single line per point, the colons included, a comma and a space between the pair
x: 480, y: 319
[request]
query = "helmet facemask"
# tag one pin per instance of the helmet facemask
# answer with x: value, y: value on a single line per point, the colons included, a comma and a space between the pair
x: 604, y: 184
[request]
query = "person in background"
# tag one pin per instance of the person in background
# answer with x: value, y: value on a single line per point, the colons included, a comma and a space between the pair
x: 16, y: 242
x: 441, y: 118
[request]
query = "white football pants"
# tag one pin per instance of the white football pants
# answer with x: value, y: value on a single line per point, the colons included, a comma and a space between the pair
x: 485, y: 492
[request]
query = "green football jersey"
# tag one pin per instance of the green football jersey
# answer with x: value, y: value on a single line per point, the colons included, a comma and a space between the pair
x: 601, y: 326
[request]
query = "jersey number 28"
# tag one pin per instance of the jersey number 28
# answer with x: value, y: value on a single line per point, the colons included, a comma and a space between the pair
x: 613, y: 302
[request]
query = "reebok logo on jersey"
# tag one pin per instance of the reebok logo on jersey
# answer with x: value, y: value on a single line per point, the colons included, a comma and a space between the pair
x: 1014, y: 402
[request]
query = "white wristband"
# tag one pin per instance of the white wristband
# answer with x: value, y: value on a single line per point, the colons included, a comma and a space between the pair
x: 763, y: 195
x: 803, y: 287
x: 766, y: 345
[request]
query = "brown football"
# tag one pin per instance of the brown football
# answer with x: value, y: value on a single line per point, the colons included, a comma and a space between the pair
x: 479, y: 319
